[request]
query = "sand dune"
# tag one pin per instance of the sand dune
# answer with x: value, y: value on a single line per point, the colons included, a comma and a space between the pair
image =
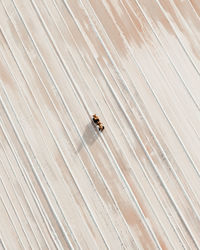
x: 64, y: 184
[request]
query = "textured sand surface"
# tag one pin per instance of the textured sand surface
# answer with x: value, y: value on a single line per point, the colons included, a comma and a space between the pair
x: 65, y: 185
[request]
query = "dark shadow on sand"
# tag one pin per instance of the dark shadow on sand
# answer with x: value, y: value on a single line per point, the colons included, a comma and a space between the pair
x: 89, y: 136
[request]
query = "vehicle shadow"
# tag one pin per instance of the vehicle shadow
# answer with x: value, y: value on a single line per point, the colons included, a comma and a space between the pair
x: 89, y: 136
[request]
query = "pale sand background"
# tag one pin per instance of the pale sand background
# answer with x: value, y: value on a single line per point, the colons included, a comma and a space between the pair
x: 136, y: 63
